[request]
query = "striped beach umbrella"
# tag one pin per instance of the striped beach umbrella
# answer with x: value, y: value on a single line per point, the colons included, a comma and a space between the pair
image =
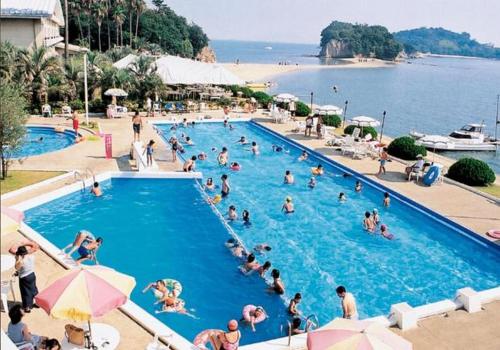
x: 85, y: 292
x: 343, y: 334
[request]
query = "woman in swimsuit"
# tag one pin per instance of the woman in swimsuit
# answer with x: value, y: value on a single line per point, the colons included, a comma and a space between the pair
x: 210, y: 184
x: 368, y: 223
x: 231, y: 339
x: 225, y: 186
x: 288, y: 206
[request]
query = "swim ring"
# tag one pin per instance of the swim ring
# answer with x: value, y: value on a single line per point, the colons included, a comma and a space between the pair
x: 178, y: 306
x: 235, y: 167
x: 494, y: 233
x: 208, y: 336
x: 174, y: 287
x: 30, y: 246
x: 248, y: 309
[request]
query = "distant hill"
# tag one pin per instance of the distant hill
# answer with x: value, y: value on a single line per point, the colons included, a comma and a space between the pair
x: 340, y: 39
x: 444, y: 42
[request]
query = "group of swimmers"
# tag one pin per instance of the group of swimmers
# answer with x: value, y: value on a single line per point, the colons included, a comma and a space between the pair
x: 372, y: 220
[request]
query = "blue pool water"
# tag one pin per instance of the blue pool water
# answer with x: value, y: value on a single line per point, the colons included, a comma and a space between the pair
x: 164, y: 229
x: 52, y: 141
x: 155, y: 229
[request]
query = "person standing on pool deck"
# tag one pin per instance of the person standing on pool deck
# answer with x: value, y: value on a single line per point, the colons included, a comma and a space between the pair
x: 149, y: 152
x: 309, y: 125
x: 175, y: 147
x: 190, y: 165
x: 76, y: 123
x: 25, y: 269
x: 225, y: 188
x: 384, y: 156
x: 348, y: 304
x: 137, y: 126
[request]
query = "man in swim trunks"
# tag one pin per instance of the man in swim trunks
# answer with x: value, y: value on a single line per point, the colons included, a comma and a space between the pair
x: 189, y: 165
x: 96, y: 189
x: 242, y: 141
x: 137, y: 126
x: 288, y: 179
x: 309, y: 125
x: 387, y: 199
x: 384, y: 156
x: 288, y: 206
x: 225, y: 188
x: 223, y: 157
x: 278, y: 285
x: 292, y: 307
x: 348, y: 303
x: 88, y: 251
x: 368, y: 223
x: 159, y: 286
x: 255, y: 148
x: 264, y: 268
x: 82, y: 237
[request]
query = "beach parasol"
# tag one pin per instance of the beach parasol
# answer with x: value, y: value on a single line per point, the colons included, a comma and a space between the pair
x: 287, y: 98
x: 328, y: 110
x: 363, y: 121
x: 343, y: 334
x: 434, y: 139
x: 114, y: 92
x: 11, y: 219
x: 85, y: 292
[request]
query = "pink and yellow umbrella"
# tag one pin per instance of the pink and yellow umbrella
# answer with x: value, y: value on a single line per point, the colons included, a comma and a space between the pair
x: 343, y: 334
x: 85, y: 292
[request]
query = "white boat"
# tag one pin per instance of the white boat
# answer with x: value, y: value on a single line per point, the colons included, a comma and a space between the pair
x: 469, y: 138
x: 268, y: 47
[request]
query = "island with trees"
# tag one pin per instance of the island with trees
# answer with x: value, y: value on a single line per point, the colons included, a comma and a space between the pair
x: 444, y: 42
x: 346, y: 40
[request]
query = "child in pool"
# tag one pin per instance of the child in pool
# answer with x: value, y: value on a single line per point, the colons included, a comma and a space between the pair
x: 342, y: 197
x: 385, y: 233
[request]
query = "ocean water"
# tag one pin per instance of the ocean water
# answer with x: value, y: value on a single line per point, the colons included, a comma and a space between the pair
x: 39, y: 140
x: 433, y: 95
x: 323, y: 245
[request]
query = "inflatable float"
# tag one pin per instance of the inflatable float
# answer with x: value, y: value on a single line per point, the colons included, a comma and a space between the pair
x: 432, y: 175
x: 174, y: 287
x: 248, y: 309
x: 494, y: 233
x: 235, y: 167
x: 208, y: 336
x: 177, y: 307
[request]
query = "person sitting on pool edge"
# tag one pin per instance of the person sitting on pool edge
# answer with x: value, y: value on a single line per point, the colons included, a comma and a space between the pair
x: 368, y: 223
x: 96, y: 189
x: 277, y: 285
x: 288, y: 206
x: 292, y: 307
x: 189, y: 165
x: 288, y: 179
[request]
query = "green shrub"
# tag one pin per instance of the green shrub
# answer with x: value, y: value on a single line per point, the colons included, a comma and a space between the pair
x: 77, y: 105
x: 97, y: 105
x: 224, y: 102
x: 131, y: 105
x: 301, y: 109
x: 262, y: 98
x: 247, y: 92
x: 472, y: 172
x: 234, y: 90
x: 364, y: 131
x: 332, y: 120
x: 405, y: 148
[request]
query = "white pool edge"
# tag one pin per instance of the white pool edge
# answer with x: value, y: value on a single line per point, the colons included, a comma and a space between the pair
x: 402, y: 314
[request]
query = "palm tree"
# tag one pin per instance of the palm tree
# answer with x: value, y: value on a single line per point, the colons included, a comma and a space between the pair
x: 76, y: 10
x: 101, y: 11
x: 119, y: 16
x: 140, y: 6
x: 131, y: 7
x: 37, y: 66
x: 73, y: 70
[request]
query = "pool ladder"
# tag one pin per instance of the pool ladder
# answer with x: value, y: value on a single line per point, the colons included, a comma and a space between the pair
x: 82, y: 175
x: 309, y: 319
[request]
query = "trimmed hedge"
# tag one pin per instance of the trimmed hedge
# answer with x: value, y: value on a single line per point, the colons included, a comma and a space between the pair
x: 262, y: 98
x: 332, y: 120
x: 405, y: 148
x: 472, y: 172
x: 364, y: 131
x: 301, y: 109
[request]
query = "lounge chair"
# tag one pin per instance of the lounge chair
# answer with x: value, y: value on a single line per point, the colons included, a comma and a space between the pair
x: 46, y: 111
x: 348, y: 145
x: 66, y: 111
x: 416, y: 173
x: 169, y: 107
x: 180, y: 108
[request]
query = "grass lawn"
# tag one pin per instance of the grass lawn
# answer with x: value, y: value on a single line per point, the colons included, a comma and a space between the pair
x: 493, y: 190
x: 17, y: 179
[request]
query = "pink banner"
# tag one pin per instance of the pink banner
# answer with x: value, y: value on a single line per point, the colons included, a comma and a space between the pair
x: 108, y: 142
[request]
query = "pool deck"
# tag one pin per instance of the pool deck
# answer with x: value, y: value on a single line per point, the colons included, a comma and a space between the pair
x: 457, y: 331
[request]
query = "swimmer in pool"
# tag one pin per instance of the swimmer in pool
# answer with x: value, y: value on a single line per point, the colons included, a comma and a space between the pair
x: 375, y: 217
x: 236, y: 249
x: 312, y: 182
x: 202, y: 156
x: 96, y: 189
x: 288, y: 180
x: 185, y: 123
x: 193, y: 123
x: 279, y: 149
x: 231, y: 213
x: 264, y: 268
x: 255, y: 148
x: 242, y: 141
x: 387, y: 199
x: 303, y: 156
x: 292, y: 307
x: 188, y: 141
x: 225, y: 186
x: 231, y: 127
x: 358, y: 187
x: 342, y: 197
x: 173, y: 127
x: 368, y: 223
x: 262, y: 248
x: 225, y: 124
x: 38, y: 140
x: 251, y: 264
x: 385, y: 232
x: 210, y: 184
x: 277, y: 285
x: 214, y: 149
x: 235, y: 166
x: 246, y: 217
x: 223, y: 157
x: 288, y: 206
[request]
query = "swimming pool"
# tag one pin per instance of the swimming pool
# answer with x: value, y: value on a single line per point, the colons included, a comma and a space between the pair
x: 51, y: 141
x: 323, y: 245
x: 163, y: 228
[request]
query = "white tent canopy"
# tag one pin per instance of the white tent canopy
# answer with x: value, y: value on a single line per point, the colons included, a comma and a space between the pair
x: 328, y: 110
x: 182, y: 71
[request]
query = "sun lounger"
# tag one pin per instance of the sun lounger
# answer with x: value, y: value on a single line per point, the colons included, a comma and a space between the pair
x: 66, y: 111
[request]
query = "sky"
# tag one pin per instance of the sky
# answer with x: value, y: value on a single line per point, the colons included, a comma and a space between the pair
x: 301, y: 21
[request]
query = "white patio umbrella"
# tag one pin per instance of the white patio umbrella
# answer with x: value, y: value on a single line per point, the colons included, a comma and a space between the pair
x: 434, y: 139
x: 363, y: 121
x: 114, y: 92
x: 328, y: 110
x: 285, y: 98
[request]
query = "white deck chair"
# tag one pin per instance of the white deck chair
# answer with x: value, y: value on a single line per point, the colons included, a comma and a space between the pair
x: 416, y: 173
x: 6, y: 288
x: 356, y: 132
x: 348, y: 145
x: 66, y: 111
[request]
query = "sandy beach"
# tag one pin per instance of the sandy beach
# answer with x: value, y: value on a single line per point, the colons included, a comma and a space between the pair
x: 259, y: 73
